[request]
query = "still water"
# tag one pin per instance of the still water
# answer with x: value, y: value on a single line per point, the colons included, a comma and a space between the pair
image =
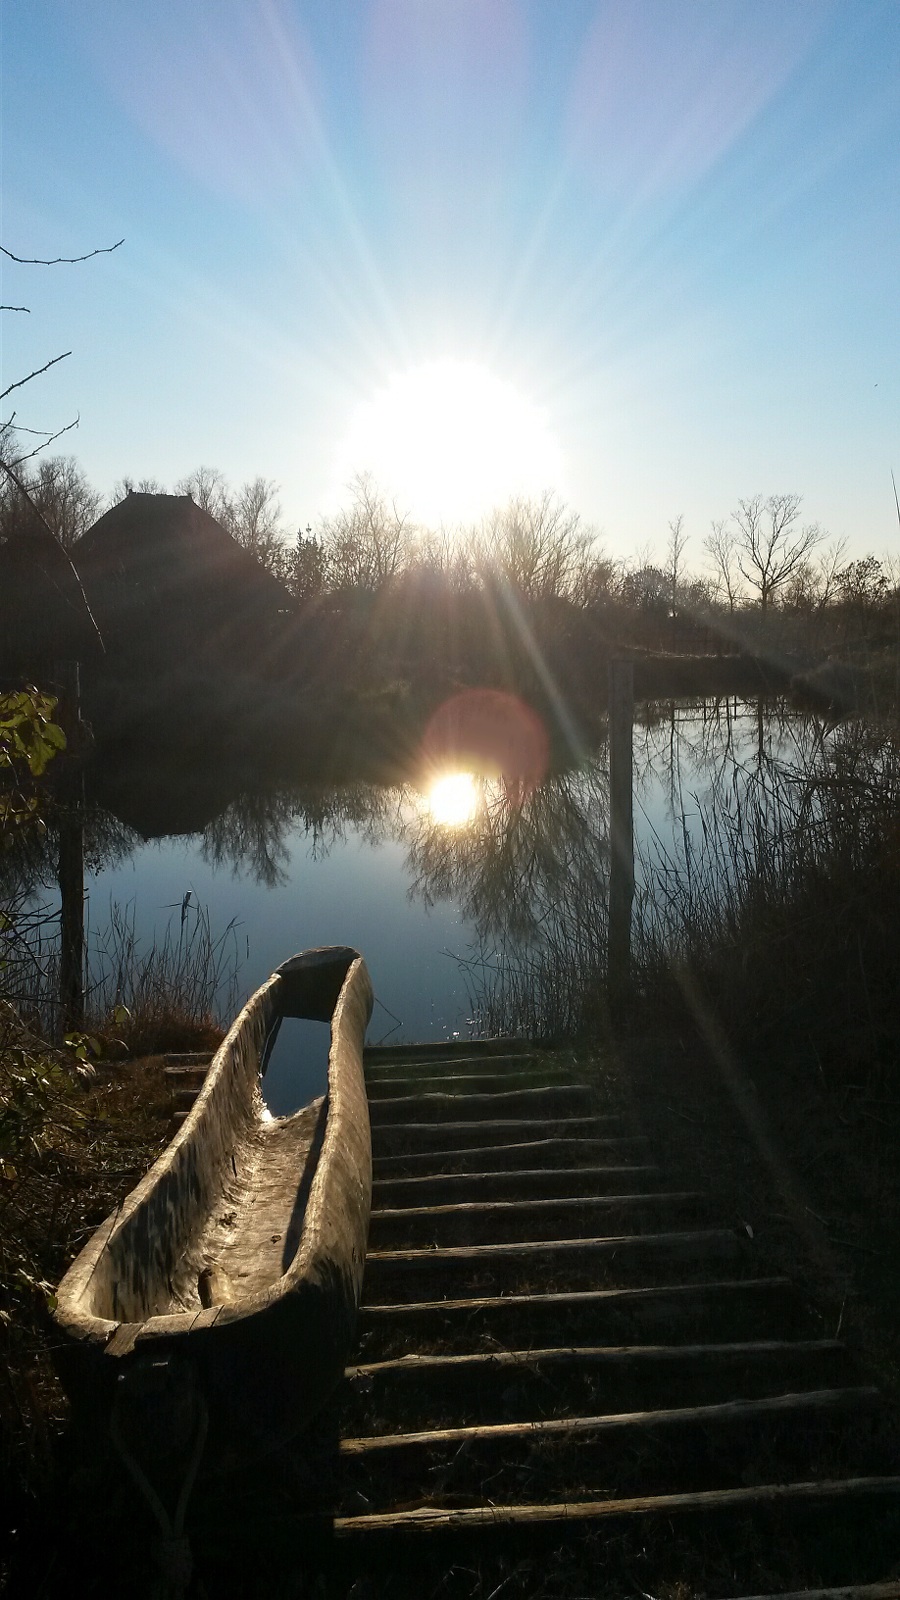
x: 430, y: 883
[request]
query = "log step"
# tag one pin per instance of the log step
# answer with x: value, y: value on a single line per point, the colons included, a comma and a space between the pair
x: 186, y: 1077
x: 510, y: 1385
x: 571, y: 1181
x: 761, y: 1307
x: 470, y: 1158
x: 855, y: 1591
x: 492, y: 1517
x: 794, y: 1406
x: 183, y: 1099
x: 503, y: 1221
x: 434, y: 1106
x: 451, y: 1050
x: 526, y: 1076
x: 617, y: 1255
x: 725, y: 1444
x: 444, y: 1134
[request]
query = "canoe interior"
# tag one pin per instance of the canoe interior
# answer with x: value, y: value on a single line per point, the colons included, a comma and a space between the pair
x: 245, y: 1243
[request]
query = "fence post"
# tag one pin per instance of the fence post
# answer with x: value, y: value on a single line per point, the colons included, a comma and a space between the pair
x: 621, y: 825
x: 71, y: 851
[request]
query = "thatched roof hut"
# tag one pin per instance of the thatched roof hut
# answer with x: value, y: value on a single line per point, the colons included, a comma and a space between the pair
x: 164, y: 577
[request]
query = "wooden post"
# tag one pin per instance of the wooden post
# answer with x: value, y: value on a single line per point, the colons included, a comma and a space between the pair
x: 621, y: 825
x: 71, y: 852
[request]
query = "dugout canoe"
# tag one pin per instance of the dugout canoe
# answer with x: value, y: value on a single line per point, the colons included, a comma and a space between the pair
x: 234, y: 1269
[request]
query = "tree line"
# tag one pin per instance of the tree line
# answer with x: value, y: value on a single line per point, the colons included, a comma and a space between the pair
x: 762, y: 560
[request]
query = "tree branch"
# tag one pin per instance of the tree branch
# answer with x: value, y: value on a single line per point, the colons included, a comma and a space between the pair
x: 48, y: 439
x: 35, y: 374
x: 26, y: 309
x: 59, y: 261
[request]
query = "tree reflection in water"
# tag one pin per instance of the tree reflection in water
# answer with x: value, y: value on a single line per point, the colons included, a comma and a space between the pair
x: 255, y: 832
x: 728, y: 794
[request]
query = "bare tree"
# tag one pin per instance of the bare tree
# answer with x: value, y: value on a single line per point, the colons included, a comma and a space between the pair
x: 674, y: 559
x: 537, y: 546
x: 208, y: 489
x: 771, y: 544
x: 251, y: 514
x: 721, y: 548
x: 369, y: 542
x: 254, y: 520
x: 127, y: 485
x: 58, y: 493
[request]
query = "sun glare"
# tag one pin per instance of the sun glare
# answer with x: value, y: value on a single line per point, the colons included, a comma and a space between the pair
x: 452, y: 800
x: 451, y: 440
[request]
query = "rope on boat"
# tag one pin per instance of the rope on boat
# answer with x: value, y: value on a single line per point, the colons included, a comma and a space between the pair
x: 173, y: 1550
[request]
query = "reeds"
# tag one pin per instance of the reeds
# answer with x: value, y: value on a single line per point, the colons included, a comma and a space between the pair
x: 171, y: 994
x: 783, y: 911
x: 772, y: 899
x: 174, y: 992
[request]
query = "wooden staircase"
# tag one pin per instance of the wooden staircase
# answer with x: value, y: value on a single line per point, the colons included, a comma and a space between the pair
x: 572, y: 1380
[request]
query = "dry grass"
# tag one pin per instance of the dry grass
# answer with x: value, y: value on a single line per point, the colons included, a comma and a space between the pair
x: 72, y: 1146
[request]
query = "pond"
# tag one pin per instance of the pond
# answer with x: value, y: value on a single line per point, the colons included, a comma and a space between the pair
x: 452, y: 887
x: 420, y: 881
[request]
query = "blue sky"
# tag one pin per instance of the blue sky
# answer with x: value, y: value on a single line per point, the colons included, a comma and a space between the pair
x: 672, y: 228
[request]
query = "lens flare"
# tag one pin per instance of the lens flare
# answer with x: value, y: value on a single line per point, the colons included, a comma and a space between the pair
x: 453, y: 799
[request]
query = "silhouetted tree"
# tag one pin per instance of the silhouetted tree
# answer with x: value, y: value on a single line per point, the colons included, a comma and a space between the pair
x: 369, y: 542
x: 770, y: 543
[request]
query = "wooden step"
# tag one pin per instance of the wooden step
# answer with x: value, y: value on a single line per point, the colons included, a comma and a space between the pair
x: 855, y: 1591
x: 548, y: 1100
x: 525, y: 1076
x: 452, y: 1050
x: 761, y: 1307
x: 471, y: 1158
x: 725, y: 1444
x: 186, y: 1077
x: 499, y: 1221
x: 829, y: 1494
x: 620, y: 1252
x: 390, y: 1138
x: 794, y: 1406
x: 596, y: 1261
x: 507, y: 1385
x: 571, y: 1181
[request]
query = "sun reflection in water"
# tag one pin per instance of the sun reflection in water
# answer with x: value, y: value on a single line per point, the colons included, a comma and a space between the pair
x: 452, y: 799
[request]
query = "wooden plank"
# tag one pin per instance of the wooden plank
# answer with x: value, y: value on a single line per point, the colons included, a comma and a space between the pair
x: 691, y: 1295
x: 439, y: 1102
x: 426, y: 1519
x: 488, y: 1208
x: 498, y: 1125
x: 855, y: 1591
x: 529, y: 1147
x: 447, y: 1049
x: 692, y: 1241
x: 529, y: 1177
x: 791, y: 1405
x: 528, y: 1077
x: 416, y: 1366
x: 621, y: 824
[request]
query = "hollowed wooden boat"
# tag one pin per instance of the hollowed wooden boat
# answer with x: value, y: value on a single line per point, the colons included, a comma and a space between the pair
x: 237, y: 1262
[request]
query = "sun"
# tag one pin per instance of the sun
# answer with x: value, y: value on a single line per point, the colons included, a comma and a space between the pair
x: 452, y: 799
x: 452, y: 440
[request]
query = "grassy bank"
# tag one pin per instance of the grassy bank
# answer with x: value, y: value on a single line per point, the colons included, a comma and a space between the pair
x: 80, y: 1122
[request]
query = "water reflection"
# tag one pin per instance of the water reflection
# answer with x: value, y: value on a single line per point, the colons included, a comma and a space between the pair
x: 519, y: 872
x: 452, y: 800
x: 523, y: 854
